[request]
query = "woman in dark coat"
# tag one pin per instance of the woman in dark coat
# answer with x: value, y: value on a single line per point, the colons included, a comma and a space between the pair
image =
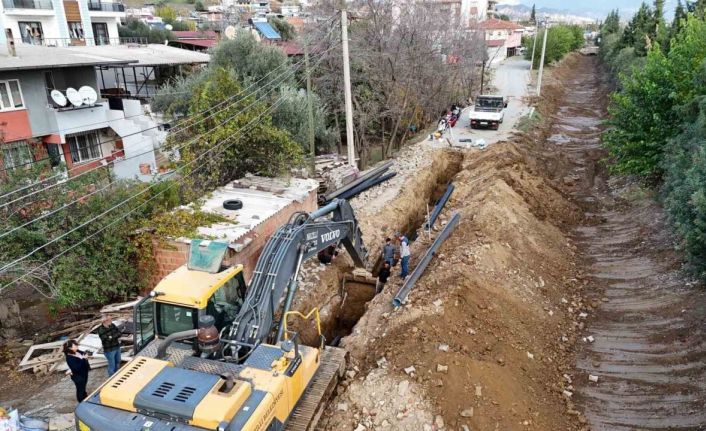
x: 78, y: 364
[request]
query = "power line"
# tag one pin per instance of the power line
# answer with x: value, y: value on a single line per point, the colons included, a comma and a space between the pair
x: 118, y: 219
x: 139, y: 154
x: 296, y: 65
x: 20, y: 259
x: 56, y: 210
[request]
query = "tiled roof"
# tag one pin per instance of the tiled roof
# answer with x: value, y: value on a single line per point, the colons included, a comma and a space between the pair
x: 497, y: 24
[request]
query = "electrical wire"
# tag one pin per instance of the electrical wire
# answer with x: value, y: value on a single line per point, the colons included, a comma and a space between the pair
x: 117, y: 220
x: 13, y: 263
x: 56, y: 210
x: 136, y: 155
x: 162, y: 124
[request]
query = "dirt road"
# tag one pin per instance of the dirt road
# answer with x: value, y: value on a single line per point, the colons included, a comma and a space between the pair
x: 510, y: 79
x: 649, y: 352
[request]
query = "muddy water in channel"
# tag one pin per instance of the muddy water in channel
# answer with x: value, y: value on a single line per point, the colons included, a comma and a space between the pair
x: 649, y: 351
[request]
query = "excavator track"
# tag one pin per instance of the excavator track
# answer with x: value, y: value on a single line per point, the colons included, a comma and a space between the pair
x: 311, y: 405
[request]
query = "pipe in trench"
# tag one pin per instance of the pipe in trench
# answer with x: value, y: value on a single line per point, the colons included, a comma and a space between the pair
x: 402, y: 294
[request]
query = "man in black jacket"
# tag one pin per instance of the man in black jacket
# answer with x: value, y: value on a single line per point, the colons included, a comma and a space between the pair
x: 110, y: 338
x: 383, y: 275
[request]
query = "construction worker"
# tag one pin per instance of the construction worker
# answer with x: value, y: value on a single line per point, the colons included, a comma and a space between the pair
x: 327, y: 255
x: 388, y: 252
x: 405, y: 255
x: 383, y: 275
x: 110, y: 338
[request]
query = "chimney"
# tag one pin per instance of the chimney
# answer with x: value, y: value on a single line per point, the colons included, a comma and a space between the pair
x: 10, y: 42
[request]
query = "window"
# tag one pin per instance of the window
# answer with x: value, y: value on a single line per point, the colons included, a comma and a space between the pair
x: 16, y: 154
x: 75, y: 30
x: 31, y: 32
x: 226, y: 301
x: 100, y: 33
x: 174, y: 318
x: 84, y: 147
x: 10, y: 95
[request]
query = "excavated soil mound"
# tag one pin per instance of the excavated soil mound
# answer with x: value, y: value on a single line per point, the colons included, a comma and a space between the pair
x: 480, y: 335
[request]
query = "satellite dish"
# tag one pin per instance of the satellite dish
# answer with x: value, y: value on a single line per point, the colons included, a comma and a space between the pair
x: 88, y: 95
x: 74, y: 97
x: 168, y: 27
x: 58, y: 98
x: 230, y: 32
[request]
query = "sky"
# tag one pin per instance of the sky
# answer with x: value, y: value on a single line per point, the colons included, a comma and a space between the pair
x: 627, y: 7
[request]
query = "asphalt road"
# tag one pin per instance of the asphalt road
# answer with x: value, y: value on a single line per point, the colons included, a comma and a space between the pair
x: 510, y: 79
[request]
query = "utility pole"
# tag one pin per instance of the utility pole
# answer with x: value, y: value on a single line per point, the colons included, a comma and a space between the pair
x: 482, y: 77
x: 310, y: 108
x: 541, y: 61
x: 534, y: 45
x: 347, y: 85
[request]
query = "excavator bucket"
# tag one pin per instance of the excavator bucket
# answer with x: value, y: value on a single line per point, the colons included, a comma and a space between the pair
x: 311, y: 405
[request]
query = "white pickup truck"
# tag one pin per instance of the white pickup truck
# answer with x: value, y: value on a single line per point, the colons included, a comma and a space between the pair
x: 488, y: 111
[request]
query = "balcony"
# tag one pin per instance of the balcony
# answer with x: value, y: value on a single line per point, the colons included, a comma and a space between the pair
x: 105, y: 6
x: 27, y: 4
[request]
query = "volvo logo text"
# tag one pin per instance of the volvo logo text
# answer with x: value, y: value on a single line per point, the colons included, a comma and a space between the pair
x: 330, y: 236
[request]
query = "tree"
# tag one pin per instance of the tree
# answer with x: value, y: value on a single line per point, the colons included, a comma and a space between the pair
x: 167, y: 13
x: 250, y: 59
x: 680, y: 15
x: 408, y: 67
x: 504, y: 17
x: 240, y: 138
x: 654, y: 100
x: 611, y: 25
x: 640, y: 32
x: 641, y: 118
x: 533, y: 14
x: 290, y: 116
x: 199, y: 7
x: 561, y: 40
x: 138, y: 29
x: 684, y: 189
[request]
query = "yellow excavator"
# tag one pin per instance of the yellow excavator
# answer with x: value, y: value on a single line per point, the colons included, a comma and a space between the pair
x: 213, y: 354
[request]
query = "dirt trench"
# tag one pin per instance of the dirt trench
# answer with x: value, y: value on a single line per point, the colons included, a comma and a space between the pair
x: 340, y: 294
x: 649, y: 352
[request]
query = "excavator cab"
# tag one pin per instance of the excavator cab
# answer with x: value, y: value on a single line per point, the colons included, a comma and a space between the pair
x: 201, y: 287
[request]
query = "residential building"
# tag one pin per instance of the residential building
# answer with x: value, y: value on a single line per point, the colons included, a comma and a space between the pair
x: 503, y: 38
x: 61, y: 22
x: 112, y: 127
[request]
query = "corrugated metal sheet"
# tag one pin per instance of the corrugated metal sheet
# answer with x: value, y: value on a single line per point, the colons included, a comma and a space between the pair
x: 267, y: 31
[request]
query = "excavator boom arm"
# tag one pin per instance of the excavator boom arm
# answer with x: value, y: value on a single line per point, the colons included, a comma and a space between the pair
x: 276, y: 269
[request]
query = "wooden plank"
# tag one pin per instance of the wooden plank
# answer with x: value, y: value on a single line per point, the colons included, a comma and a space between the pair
x: 73, y: 13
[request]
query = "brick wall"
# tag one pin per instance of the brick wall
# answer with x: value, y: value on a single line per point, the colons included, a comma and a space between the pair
x: 172, y: 255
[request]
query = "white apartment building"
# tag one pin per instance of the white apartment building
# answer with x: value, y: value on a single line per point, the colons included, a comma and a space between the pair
x: 61, y: 23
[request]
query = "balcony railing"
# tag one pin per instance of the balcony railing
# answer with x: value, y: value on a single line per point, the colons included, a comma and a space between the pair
x: 27, y: 4
x: 106, y: 7
x: 66, y: 42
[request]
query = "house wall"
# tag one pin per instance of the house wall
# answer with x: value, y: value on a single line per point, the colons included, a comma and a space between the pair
x: 496, y: 34
x: 35, y: 98
x: 50, y: 24
x: 172, y: 254
x: 497, y: 54
x: 514, y: 39
x: 14, y: 125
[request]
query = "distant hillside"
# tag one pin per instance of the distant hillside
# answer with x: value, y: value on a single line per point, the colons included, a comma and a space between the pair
x: 522, y: 12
